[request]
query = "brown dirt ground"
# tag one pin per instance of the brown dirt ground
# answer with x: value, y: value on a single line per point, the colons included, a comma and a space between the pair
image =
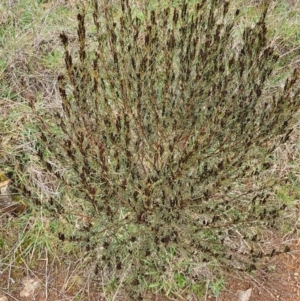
x: 279, y: 280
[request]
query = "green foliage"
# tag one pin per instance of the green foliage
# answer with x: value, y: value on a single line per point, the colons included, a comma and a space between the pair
x: 164, y: 141
x: 51, y: 59
x: 7, y: 93
x: 217, y: 286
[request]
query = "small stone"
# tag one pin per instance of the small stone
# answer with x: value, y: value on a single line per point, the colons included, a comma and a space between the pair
x: 3, y: 298
x: 30, y: 287
x: 244, y: 295
x: 296, y: 274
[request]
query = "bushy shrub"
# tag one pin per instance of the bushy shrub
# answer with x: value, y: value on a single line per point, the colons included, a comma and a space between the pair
x: 167, y: 129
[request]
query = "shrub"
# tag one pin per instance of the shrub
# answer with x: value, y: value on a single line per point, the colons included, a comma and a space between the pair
x: 166, y: 131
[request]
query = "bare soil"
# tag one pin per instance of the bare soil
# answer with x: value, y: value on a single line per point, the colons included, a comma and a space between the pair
x: 278, y: 279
